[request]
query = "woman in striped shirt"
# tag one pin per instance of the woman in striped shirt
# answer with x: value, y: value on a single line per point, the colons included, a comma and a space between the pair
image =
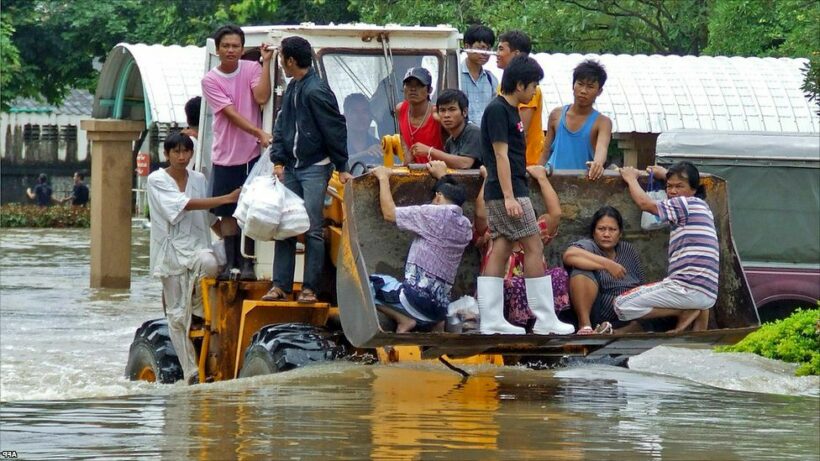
x: 691, y: 286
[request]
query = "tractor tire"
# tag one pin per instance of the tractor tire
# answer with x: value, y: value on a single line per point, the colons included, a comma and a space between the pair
x: 281, y: 347
x: 152, y: 356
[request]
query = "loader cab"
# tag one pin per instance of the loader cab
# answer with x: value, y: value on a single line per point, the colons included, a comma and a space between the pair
x: 365, y: 59
x: 353, y: 59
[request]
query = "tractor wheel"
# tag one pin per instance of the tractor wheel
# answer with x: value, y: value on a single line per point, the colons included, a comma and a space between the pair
x: 152, y: 356
x: 281, y: 347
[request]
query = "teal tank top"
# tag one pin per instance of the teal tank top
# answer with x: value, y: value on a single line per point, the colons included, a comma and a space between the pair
x: 572, y: 149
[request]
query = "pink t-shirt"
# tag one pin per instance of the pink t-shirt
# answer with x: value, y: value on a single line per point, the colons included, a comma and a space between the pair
x: 231, y: 145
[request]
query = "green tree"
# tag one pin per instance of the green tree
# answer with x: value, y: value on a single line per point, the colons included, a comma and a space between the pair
x: 764, y: 28
x: 50, y: 46
x: 59, y: 42
x: 9, y: 62
x: 293, y: 12
x: 623, y: 26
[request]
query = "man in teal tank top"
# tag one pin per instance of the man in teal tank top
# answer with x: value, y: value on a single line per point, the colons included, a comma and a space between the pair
x: 577, y: 135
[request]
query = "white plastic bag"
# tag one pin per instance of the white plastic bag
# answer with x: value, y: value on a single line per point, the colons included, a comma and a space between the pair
x: 294, y: 218
x: 262, y: 203
x: 462, y: 315
x: 650, y: 221
x: 218, y: 247
x: 263, y: 167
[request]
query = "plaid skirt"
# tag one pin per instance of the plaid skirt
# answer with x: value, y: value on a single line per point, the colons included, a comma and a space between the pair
x: 512, y: 229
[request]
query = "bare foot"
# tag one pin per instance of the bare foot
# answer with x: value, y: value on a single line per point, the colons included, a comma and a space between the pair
x: 685, y: 319
x: 405, y: 325
x: 702, y: 322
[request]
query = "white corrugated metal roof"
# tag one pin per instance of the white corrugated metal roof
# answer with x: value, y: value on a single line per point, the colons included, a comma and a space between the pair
x: 653, y: 94
x: 167, y: 76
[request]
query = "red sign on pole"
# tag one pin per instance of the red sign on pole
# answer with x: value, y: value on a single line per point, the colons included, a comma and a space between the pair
x: 143, y: 163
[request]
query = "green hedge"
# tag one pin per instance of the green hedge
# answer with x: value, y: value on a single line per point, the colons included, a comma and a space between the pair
x: 794, y: 339
x: 17, y: 215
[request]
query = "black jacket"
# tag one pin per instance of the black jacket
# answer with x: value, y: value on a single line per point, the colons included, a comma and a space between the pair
x: 315, y: 116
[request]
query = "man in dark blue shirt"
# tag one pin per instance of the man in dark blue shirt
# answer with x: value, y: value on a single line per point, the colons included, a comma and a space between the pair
x: 42, y: 191
x: 79, y: 194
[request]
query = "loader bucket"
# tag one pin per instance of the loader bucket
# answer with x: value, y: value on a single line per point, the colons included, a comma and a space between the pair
x: 372, y: 245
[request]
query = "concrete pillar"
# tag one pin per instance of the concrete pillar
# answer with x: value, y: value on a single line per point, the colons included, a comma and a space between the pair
x: 111, y: 172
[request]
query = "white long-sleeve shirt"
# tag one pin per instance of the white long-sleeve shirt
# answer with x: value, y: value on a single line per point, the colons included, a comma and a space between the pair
x: 176, y: 234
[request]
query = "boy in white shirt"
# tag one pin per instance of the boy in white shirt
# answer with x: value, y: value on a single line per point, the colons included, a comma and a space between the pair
x: 181, y: 241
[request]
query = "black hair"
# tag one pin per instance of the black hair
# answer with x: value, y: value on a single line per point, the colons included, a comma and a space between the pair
x: 522, y: 69
x: 177, y: 139
x: 603, y: 212
x: 589, y: 70
x: 450, y: 189
x: 192, y: 108
x: 229, y: 29
x: 80, y: 174
x: 517, y: 40
x: 42, y: 178
x: 355, y: 97
x: 688, y: 171
x: 299, y: 49
x: 479, y: 33
x: 451, y: 95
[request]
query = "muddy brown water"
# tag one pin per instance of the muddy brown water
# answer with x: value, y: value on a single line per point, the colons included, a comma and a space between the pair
x: 63, y: 348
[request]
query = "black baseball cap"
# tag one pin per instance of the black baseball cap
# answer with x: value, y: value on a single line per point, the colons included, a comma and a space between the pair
x: 419, y: 73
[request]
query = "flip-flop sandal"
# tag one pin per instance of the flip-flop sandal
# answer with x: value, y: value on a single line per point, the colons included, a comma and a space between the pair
x: 604, y: 328
x: 307, y: 297
x: 585, y: 331
x: 275, y: 294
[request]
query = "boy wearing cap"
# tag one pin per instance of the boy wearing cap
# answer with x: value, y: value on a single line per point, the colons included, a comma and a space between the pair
x: 420, y: 131
x: 510, y: 45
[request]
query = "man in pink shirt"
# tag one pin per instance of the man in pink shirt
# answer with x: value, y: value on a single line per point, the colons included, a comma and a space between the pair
x: 235, y: 90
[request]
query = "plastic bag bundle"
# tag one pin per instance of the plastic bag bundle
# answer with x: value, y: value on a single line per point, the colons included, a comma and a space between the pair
x: 294, y: 218
x: 650, y: 221
x: 262, y: 168
x: 262, y: 204
x: 462, y: 315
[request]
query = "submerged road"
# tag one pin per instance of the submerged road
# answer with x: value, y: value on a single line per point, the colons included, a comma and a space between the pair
x: 63, y: 348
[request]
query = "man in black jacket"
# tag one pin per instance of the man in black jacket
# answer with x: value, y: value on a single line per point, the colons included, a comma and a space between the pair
x: 309, y: 140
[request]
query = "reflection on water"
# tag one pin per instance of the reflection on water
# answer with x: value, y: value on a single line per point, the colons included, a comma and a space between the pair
x: 64, y: 348
x: 351, y: 411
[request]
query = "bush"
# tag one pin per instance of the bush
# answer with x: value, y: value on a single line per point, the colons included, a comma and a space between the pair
x: 794, y: 339
x: 17, y: 215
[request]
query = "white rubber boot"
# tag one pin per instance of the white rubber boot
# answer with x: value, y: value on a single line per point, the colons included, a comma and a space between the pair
x: 491, y: 308
x: 542, y: 305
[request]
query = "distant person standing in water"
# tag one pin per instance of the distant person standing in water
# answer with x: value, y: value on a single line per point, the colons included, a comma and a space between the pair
x: 42, y: 193
x: 79, y: 193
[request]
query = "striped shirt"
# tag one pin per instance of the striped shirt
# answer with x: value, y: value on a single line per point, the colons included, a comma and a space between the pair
x: 693, y: 245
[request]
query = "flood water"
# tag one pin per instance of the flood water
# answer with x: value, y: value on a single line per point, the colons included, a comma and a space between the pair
x: 63, y: 349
